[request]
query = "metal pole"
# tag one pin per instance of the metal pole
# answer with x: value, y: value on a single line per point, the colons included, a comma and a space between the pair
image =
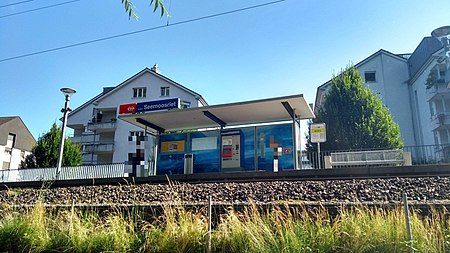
x: 65, y: 110
x: 407, y: 220
x: 300, y: 144
x: 155, y: 154
x: 209, y: 223
x: 318, y: 155
x: 294, y: 139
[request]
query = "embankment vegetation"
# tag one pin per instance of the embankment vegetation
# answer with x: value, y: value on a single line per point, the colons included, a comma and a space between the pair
x: 357, y: 229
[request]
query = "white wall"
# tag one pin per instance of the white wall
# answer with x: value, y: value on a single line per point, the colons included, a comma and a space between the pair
x: 392, y: 88
x: 153, y: 83
x: 16, y: 158
x: 124, y: 95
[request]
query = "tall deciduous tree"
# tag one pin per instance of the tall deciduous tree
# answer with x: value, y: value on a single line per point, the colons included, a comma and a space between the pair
x: 45, y: 153
x: 355, y: 117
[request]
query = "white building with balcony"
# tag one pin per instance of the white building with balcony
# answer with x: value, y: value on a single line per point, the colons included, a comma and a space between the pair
x: 103, y: 138
x: 415, y: 88
x: 387, y: 75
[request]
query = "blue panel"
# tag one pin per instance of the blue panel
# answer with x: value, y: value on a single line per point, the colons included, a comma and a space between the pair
x: 282, y: 136
x: 171, y: 162
x: 206, y: 160
x: 249, y: 148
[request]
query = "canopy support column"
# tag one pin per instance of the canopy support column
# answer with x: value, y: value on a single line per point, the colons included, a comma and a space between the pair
x: 291, y: 112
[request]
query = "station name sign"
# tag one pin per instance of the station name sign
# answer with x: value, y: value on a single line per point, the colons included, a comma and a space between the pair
x: 156, y: 105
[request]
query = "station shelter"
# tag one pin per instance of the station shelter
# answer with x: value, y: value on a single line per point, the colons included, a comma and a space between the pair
x: 244, y: 136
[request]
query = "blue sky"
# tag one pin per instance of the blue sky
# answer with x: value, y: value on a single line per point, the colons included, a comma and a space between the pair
x: 281, y: 49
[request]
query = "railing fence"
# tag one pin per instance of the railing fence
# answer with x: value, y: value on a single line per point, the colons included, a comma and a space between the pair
x: 421, y: 155
x: 67, y: 173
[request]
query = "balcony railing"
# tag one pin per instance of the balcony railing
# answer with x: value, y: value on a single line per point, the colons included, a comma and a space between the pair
x: 99, y: 148
x: 89, y: 158
x: 102, y: 126
x: 440, y: 119
x: 85, y: 138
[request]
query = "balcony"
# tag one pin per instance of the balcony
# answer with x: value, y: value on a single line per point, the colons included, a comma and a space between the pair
x: 99, y: 148
x: 440, y: 120
x: 438, y: 89
x: 85, y: 138
x: 109, y: 126
x: 89, y: 158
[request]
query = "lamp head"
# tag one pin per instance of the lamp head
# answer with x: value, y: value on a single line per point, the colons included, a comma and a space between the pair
x: 68, y: 91
x: 441, y: 32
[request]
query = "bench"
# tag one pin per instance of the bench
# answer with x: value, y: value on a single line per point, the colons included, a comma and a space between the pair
x: 368, y: 158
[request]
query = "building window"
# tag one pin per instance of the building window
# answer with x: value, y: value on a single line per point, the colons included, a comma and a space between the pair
x: 165, y: 91
x: 136, y: 133
x: 6, y: 159
x: 140, y: 92
x: 11, y: 140
x: 185, y: 104
x: 369, y: 76
x: 5, y: 166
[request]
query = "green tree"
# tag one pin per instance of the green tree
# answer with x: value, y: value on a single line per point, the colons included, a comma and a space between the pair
x: 355, y: 118
x: 45, y: 153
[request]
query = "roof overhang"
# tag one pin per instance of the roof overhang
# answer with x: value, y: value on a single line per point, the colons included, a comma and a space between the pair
x: 241, y: 113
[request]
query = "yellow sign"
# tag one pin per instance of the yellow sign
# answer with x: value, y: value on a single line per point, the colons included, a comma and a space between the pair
x: 317, y: 130
x: 172, y: 146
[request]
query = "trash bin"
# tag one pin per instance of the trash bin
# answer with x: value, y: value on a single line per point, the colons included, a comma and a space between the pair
x: 188, y: 163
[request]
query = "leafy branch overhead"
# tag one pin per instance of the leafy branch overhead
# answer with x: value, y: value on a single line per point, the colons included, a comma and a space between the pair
x: 130, y: 8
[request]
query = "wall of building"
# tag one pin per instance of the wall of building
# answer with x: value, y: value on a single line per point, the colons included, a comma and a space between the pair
x: 422, y: 113
x: 15, y: 159
x: 391, y: 87
x: 122, y: 95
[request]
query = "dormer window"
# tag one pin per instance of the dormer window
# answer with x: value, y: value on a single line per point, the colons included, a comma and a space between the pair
x: 139, y: 92
x: 165, y: 91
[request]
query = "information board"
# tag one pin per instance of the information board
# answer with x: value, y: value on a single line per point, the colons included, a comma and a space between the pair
x: 318, y: 133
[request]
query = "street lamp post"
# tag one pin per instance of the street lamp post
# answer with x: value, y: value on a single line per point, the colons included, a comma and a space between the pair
x: 67, y: 93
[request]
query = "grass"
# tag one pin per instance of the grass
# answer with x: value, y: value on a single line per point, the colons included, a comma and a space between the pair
x: 281, y: 229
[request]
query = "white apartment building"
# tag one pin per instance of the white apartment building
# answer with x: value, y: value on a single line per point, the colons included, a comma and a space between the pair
x: 16, y: 142
x: 386, y: 74
x: 105, y: 139
x: 414, y: 87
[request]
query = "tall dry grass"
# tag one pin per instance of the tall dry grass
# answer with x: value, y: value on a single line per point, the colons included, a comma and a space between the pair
x: 280, y: 229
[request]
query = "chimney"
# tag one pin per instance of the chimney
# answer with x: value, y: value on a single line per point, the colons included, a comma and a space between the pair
x: 155, y: 69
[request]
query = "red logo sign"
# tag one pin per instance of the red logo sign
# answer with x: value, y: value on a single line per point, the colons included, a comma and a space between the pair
x: 127, y: 108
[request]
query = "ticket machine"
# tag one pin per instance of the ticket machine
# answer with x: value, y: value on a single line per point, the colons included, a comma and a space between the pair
x: 231, y: 150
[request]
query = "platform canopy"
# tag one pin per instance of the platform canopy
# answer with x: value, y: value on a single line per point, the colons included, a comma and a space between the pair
x: 223, y: 115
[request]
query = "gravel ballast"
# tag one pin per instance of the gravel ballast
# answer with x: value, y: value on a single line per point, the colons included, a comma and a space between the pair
x: 423, y: 190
